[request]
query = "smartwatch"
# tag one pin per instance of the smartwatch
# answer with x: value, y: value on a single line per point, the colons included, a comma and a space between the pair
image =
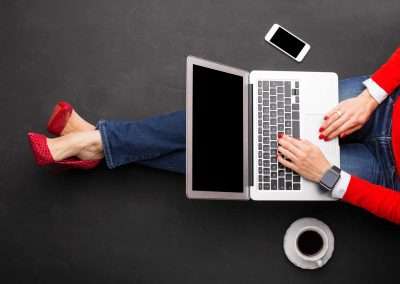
x: 330, y: 179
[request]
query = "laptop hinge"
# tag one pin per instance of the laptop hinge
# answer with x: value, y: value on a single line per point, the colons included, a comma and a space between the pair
x: 250, y: 137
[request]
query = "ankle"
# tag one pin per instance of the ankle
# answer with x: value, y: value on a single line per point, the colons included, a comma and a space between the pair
x: 74, y: 143
x: 62, y: 147
x: 77, y: 124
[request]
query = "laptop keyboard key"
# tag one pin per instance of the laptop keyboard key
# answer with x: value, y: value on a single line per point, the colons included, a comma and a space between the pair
x: 296, y: 129
x: 296, y: 186
x: 281, y: 184
x: 265, y: 85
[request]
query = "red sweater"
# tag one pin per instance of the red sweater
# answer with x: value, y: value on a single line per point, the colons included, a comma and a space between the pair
x: 381, y: 201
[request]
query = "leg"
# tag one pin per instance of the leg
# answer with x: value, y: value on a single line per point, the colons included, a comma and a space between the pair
x: 371, y: 156
x: 351, y: 87
x: 85, y: 145
x: 156, y: 141
x: 357, y: 159
x: 372, y: 162
x: 174, y: 162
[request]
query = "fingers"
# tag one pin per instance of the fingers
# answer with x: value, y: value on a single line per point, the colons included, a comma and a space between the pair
x: 332, y: 111
x: 340, y: 121
x: 349, y: 131
x: 330, y: 117
x: 287, y: 163
x: 339, y: 130
x: 291, y: 144
x: 286, y: 153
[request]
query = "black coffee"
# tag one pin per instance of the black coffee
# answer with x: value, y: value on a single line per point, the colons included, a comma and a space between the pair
x: 309, y: 242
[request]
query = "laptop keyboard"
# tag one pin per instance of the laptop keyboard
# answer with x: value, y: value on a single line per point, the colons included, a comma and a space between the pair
x: 278, y: 104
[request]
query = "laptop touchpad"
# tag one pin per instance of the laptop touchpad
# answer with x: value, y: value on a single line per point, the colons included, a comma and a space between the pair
x: 310, y: 125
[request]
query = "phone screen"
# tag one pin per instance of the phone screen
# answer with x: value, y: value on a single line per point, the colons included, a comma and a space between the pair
x: 287, y: 42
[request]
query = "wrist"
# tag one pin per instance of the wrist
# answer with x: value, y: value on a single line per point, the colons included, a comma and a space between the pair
x: 370, y: 102
x: 330, y: 179
x: 322, y: 171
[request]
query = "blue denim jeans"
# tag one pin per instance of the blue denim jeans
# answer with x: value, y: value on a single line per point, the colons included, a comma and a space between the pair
x: 159, y: 141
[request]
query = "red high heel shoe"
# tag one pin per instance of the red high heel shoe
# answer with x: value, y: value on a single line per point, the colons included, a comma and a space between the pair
x: 59, y: 117
x: 43, y: 156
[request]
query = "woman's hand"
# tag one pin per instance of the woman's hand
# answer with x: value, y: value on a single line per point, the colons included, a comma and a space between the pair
x: 302, y: 157
x: 348, y: 116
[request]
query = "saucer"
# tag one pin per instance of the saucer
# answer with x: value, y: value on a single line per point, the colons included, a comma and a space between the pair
x: 289, y: 243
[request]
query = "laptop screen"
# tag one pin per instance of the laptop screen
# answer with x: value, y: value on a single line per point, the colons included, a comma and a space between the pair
x: 217, y: 131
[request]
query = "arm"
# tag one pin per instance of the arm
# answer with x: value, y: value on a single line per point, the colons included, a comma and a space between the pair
x: 351, y: 114
x: 378, y: 200
x: 386, y: 78
x: 307, y: 160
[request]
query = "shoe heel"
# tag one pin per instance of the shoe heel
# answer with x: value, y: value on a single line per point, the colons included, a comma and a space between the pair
x: 59, y: 117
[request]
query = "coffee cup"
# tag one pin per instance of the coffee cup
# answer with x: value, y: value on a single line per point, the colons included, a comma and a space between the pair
x: 312, y: 244
x: 308, y: 243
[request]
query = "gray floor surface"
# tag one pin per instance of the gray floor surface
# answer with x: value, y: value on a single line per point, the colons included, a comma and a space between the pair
x: 126, y: 59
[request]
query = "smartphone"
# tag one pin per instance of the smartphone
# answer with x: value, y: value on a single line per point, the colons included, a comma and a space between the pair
x: 287, y: 42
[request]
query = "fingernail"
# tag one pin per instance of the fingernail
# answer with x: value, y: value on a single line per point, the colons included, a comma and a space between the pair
x: 280, y: 135
x: 321, y: 136
x: 326, y: 139
x: 321, y: 129
x: 325, y: 117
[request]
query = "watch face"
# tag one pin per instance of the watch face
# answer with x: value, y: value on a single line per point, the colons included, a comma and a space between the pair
x: 329, y: 179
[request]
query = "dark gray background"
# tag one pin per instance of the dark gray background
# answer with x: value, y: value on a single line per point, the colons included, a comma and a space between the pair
x: 126, y: 59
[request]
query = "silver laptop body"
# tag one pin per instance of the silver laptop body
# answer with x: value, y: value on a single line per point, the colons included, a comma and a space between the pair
x: 290, y: 102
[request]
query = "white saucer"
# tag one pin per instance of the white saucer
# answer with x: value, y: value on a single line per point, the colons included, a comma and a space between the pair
x: 289, y: 243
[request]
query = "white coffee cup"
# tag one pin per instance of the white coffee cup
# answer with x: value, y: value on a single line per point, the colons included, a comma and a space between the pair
x: 312, y: 257
x: 318, y: 256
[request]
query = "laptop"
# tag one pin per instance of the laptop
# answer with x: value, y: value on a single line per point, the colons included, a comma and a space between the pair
x: 233, y: 118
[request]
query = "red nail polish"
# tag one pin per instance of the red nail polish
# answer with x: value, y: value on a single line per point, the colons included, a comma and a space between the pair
x: 280, y: 135
x: 321, y: 129
x: 321, y: 136
x: 326, y: 139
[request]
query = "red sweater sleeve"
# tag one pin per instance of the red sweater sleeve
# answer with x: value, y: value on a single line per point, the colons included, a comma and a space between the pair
x: 388, y: 75
x: 377, y: 199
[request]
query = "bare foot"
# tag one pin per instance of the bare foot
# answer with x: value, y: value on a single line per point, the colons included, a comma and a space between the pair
x: 86, y: 145
x: 76, y: 123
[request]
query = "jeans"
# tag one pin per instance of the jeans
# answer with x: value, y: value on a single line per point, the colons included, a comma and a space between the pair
x: 160, y: 141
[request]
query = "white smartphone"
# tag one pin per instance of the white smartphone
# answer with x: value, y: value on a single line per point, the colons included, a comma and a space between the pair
x: 287, y: 42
